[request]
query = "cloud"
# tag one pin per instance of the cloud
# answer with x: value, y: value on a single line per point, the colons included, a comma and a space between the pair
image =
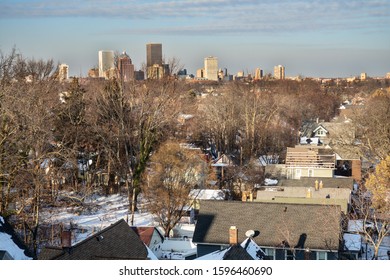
x: 205, y: 16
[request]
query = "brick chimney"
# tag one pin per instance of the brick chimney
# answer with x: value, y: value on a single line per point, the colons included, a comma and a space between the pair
x: 66, y: 239
x: 233, y: 235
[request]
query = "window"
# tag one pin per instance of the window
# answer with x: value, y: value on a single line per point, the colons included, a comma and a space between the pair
x: 270, y: 253
x: 290, y: 255
x: 321, y: 255
x: 310, y: 173
x: 297, y: 173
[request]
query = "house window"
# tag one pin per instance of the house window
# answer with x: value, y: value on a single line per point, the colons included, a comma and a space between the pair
x: 289, y: 255
x: 310, y: 173
x: 321, y: 255
x: 270, y: 253
x: 297, y: 173
x: 320, y: 132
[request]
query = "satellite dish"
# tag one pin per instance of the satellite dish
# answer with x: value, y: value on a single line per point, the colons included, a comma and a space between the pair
x: 250, y: 233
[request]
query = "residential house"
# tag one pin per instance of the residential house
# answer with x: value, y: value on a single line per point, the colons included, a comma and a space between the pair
x: 116, y: 242
x: 340, y: 136
x: 150, y: 236
x: 309, y: 161
x: 306, y: 195
x: 247, y: 250
x: 284, y: 231
x: 11, y: 246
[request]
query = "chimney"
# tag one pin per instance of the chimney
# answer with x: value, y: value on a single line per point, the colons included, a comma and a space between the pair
x: 233, y: 235
x: 321, y: 184
x: 66, y: 239
x: 308, y: 193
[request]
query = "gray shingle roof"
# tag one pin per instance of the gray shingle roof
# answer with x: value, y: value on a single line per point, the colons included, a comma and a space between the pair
x: 303, y: 226
x: 117, y: 241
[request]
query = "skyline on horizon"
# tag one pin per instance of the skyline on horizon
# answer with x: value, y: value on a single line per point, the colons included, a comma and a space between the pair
x: 310, y: 38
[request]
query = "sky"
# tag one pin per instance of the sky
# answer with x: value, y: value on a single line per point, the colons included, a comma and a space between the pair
x: 312, y: 38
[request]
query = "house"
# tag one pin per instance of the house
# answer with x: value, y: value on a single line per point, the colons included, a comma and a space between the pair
x: 116, y: 242
x: 306, y: 195
x: 247, y: 250
x: 197, y: 195
x: 11, y: 247
x: 177, y: 249
x: 285, y: 231
x: 150, y: 236
x: 306, y: 161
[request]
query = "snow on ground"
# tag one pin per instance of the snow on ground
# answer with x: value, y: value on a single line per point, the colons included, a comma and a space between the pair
x: 97, y: 213
x: 7, y: 244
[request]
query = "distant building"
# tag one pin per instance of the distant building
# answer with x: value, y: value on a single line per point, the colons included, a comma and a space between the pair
x: 279, y: 72
x: 139, y: 75
x: 106, y: 62
x: 388, y: 75
x: 63, y: 72
x: 154, y: 62
x: 125, y: 68
x: 363, y: 76
x: 158, y: 71
x: 258, y: 74
x: 153, y: 54
x: 211, y: 68
x: 200, y: 73
x: 93, y: 73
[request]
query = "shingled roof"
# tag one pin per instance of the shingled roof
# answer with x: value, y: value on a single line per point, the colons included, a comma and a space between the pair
x: 301, y: 226
x: 117, y: 241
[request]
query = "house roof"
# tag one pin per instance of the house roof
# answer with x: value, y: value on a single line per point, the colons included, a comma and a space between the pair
x: 303, y: 226
x: 10, y: 243
x: 346, y: 182
x: 146, y: 234
x: 117, y: 241
x: 247, y: 250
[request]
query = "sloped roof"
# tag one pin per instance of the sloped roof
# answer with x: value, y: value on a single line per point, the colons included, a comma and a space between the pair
x: 117, y: 241
x: 10, y: 243
x: 303, y: 226
x: 247, y: 250
x: 146, y: 234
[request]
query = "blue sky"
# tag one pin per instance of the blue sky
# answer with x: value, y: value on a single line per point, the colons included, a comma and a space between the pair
x: 334, y: 38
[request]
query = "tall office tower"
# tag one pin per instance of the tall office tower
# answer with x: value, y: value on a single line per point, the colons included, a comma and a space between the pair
x: 63, y: 72
x: 106, y: 63
x: 200, y: 73
x: 279, y: 72
x: 125, y: 68
x: 258, y: 74
x: 388, y: 75
x: 211, y: 68
x: 154, y: 61
x: 153, y: 54
x: 363, y: 76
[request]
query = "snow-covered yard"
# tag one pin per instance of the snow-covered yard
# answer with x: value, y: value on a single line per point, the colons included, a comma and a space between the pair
x: 96, y: 213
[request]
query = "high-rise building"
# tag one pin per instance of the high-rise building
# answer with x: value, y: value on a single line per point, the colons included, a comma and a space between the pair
x: 211, y: 68
x: 63, y: 72
x: 279, y: 72
x: 125, y: 68
x: 106, y: 63
x: 388, y: 75
x: 200, y: 73
x: 363, y: 76
x: 258, y: 74
x: 153, y: 54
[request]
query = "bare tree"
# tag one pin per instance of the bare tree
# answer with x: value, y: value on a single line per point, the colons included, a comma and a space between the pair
x: 174, y: 172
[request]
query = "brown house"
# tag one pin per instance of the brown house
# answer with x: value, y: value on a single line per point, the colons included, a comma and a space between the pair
x: 116, y: 242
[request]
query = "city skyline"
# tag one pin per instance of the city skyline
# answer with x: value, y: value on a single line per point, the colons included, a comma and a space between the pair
x: 309, y: 38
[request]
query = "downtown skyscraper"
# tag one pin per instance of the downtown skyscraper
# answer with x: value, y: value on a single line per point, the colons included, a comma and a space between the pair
x: 106, y: 63
x: 211, y: 68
